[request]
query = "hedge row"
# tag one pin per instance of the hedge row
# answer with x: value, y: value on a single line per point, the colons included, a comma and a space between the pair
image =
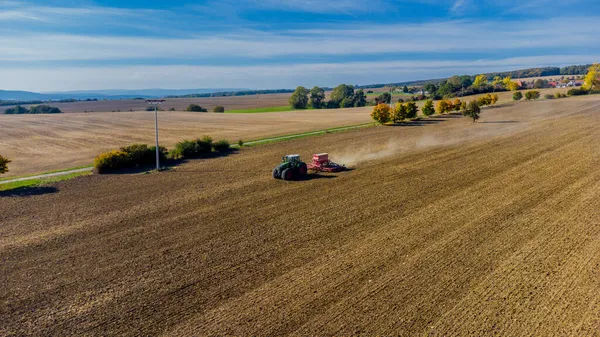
x: 142, y: 155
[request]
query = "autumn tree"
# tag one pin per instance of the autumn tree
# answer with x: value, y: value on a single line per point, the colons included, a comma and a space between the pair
x: 509, y: 84
x: 497, y: 80
x: 533, y: 94
x: 381, y: 113
x: 463, y: 106
x: 443, y: 106
x: 411, y: 110
x: 317, y: 97
x: 592, y: 79
x: 299, y: 99
x: 480, y: 81
x: 494, y: 99
x: 399, y: 113
x: 4, y: 164
x: 428, y: 109
x: 456, y: 104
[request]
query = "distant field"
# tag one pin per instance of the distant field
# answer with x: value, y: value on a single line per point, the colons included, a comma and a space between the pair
x: 230, y: 103
x: 40, y: 143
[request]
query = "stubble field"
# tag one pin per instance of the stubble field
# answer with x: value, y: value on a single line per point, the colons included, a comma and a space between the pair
x: 125, y: 105
x: 444, y: 227
x: 39, y: 143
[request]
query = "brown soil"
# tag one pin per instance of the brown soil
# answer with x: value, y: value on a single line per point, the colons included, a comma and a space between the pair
x: 448, y: 228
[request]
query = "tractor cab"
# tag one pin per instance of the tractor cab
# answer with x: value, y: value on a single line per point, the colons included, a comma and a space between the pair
x: 293, y: 159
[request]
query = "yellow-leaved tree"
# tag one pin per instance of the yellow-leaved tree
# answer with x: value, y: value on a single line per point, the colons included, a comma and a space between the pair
x: 509, y: 84
x: 480, y: 81
x: 381, y: 113
x: 592, y: 79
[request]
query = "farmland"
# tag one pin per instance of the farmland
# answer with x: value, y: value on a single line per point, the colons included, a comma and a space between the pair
x: 230, y: 103
x: 38, y: 143
x: 445, y: 227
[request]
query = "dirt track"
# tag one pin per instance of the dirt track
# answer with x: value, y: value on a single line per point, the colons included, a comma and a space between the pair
x: 451, y: 228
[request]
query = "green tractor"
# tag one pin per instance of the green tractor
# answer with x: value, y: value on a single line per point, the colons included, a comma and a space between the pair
x: 291, y: 168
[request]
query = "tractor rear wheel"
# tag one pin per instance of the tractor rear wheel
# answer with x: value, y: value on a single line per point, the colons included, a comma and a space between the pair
x: 303, y: 169
x: 287, y: 174
x: 276, y: 174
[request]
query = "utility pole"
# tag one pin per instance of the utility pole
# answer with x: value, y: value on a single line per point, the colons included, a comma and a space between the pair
x: 156, y: 103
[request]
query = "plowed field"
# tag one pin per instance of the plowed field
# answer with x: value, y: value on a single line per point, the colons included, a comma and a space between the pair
x: 444, y: 228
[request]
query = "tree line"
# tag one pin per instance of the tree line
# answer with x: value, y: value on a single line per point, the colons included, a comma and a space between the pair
x: 342, y: 96
x: 234, y: 93
x: 468, y: 85
x: 34, y: 110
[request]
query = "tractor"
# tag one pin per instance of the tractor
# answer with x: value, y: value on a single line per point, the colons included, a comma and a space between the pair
x: 290, y: 168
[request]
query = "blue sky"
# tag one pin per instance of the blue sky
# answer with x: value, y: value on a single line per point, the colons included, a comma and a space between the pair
x: 84, y: 45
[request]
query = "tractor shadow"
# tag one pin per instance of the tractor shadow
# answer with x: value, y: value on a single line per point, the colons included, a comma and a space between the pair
x: 314, y: 176
x: 28, y: 191
x: 324, y: 175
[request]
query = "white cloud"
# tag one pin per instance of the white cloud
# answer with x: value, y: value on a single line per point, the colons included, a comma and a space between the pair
x: 459, y: 6
x: 267, y: 76
x: 453, y: 36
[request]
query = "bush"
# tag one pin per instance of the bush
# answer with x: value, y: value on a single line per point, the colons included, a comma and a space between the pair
x: 221, y: 146
x: 549, y: 96
x: 195, y: 108
x: 219, y: 108
x: 151, y: 108
x: 532, y: 94
x: 142, y: 154
x: 44, y: 109
x: 517, y: 96
x: 192, y: 148
x: 381, y: 113
x: 4, y: 164
x: 560, y: 95
x: 240, y: 143
x: 577, y: 92
x: 111, y: 162
x: 428, y: 109
x: 132, y: 156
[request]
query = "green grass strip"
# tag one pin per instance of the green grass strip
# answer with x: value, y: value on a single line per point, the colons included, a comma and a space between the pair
x: 49, y: 172
x: 40, y: 181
